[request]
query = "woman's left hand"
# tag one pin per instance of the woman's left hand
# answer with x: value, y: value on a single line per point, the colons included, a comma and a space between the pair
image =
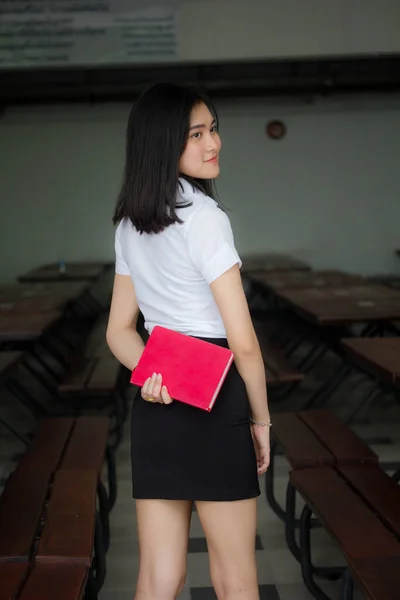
x: 154, y: 391
x: 261, y: 441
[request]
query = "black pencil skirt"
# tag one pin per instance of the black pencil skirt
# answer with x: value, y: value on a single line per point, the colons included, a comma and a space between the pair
x: 180, y: 452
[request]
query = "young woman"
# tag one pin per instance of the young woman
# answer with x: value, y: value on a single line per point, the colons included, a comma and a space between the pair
x: 177, y: 264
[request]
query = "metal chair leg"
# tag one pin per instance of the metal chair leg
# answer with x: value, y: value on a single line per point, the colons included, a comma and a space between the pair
x: 99, y: 561
x: 104, y: 514
x: 347, y: 589
x: 305, y: 556
x: 91, y: 592
x: 291, y: 522
x: 112, y: 478
x: 269, y: 485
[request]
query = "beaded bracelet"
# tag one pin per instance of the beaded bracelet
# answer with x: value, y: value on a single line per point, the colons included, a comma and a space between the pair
x: 260, y: 424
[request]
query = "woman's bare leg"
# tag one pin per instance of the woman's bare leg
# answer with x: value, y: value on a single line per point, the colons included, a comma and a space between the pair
x: 230, y: 529
x: 163, y: 527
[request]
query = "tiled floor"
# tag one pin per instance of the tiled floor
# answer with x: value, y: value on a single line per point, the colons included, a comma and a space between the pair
x: 279, y: 573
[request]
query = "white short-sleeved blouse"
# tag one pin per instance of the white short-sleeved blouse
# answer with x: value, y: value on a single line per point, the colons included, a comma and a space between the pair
x: 171, y: 271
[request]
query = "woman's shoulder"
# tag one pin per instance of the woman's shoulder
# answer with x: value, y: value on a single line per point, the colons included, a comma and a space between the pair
x: 124, y: 229
x: 201, y: 207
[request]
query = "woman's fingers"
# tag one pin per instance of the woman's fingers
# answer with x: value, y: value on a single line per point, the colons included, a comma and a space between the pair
x: 165, y: 396
x: 153, y: 388
x: 145, y: 389
x: 157, y: 382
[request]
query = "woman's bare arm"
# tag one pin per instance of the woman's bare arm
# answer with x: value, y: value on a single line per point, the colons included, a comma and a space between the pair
x: 122, y: 337
x: 232, y: 304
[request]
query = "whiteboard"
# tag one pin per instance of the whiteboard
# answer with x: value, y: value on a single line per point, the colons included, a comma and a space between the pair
x: 54, y: 33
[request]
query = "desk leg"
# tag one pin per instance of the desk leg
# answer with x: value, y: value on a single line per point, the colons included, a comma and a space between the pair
x: 364, y: 401
x: 11, y: 429
x: 328, y: 387
x: 25, y: 398
x: 316, y: 353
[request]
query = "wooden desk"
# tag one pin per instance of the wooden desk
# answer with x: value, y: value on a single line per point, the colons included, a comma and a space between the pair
x: 333, y: 306
x: 73, y: 272
x: 15, y: 327
x: 17, y: 291
x: 272, y: 262
x: 379, y: 356
x: 305, y: 279
x: 33, y: 298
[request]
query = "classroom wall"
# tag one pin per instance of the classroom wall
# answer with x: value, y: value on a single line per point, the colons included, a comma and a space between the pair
x: 235, y: 29
x: 329, y: 192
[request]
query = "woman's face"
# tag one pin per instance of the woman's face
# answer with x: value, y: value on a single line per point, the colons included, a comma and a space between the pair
x: 200, y: 157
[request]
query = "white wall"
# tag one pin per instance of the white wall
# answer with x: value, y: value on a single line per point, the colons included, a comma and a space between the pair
x: 234, y: 29
x: 329, y: 192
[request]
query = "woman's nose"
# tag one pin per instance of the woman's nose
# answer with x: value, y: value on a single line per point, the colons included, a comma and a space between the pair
x: 212, y: 142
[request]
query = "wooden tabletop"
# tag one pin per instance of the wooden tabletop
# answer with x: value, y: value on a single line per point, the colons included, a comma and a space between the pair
x: 379, y: 356
x: 16, y: 327
x: 35, y: 297
x: 344, y: 305
x: 73, y: 272
x: 272, y: 262
x: 305, y: 279
x: 16, y: 291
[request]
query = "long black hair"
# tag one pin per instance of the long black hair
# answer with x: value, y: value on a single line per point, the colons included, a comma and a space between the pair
x: 156, y: 137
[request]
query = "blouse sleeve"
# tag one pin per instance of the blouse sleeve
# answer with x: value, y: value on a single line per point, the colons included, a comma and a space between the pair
x: 211, y: 244
x: 121, y: 268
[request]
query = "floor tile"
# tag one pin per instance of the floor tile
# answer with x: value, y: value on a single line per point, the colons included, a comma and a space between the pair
x: 390, y: 466
x: 199, y: 570
x: 199, y: 544
x: 267, y: 592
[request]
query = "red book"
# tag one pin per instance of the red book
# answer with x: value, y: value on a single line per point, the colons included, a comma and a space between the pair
x: 192, y: 370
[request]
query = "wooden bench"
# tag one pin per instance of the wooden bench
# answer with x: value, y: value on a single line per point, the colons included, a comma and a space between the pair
x: 70, y: 581
x: 12, y: 578
x: 48, y: 506
x: 95, y: 380
x: 72, y: 532
x: 23, y: 499
x: 278, y: 370
x: 88, y: 449
x: 378, y: 577
x: 309, y: 439
x: 20, y: 582
x: 69, y: 525
x: 94, y: 384
x: 359, y: 506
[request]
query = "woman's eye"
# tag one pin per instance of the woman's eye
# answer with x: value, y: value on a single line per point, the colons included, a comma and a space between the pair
x: 196, y: 135
x: 214, y: 129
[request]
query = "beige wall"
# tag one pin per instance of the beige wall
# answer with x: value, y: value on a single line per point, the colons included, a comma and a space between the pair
x: 229, y: 29
x: 328, y: 193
